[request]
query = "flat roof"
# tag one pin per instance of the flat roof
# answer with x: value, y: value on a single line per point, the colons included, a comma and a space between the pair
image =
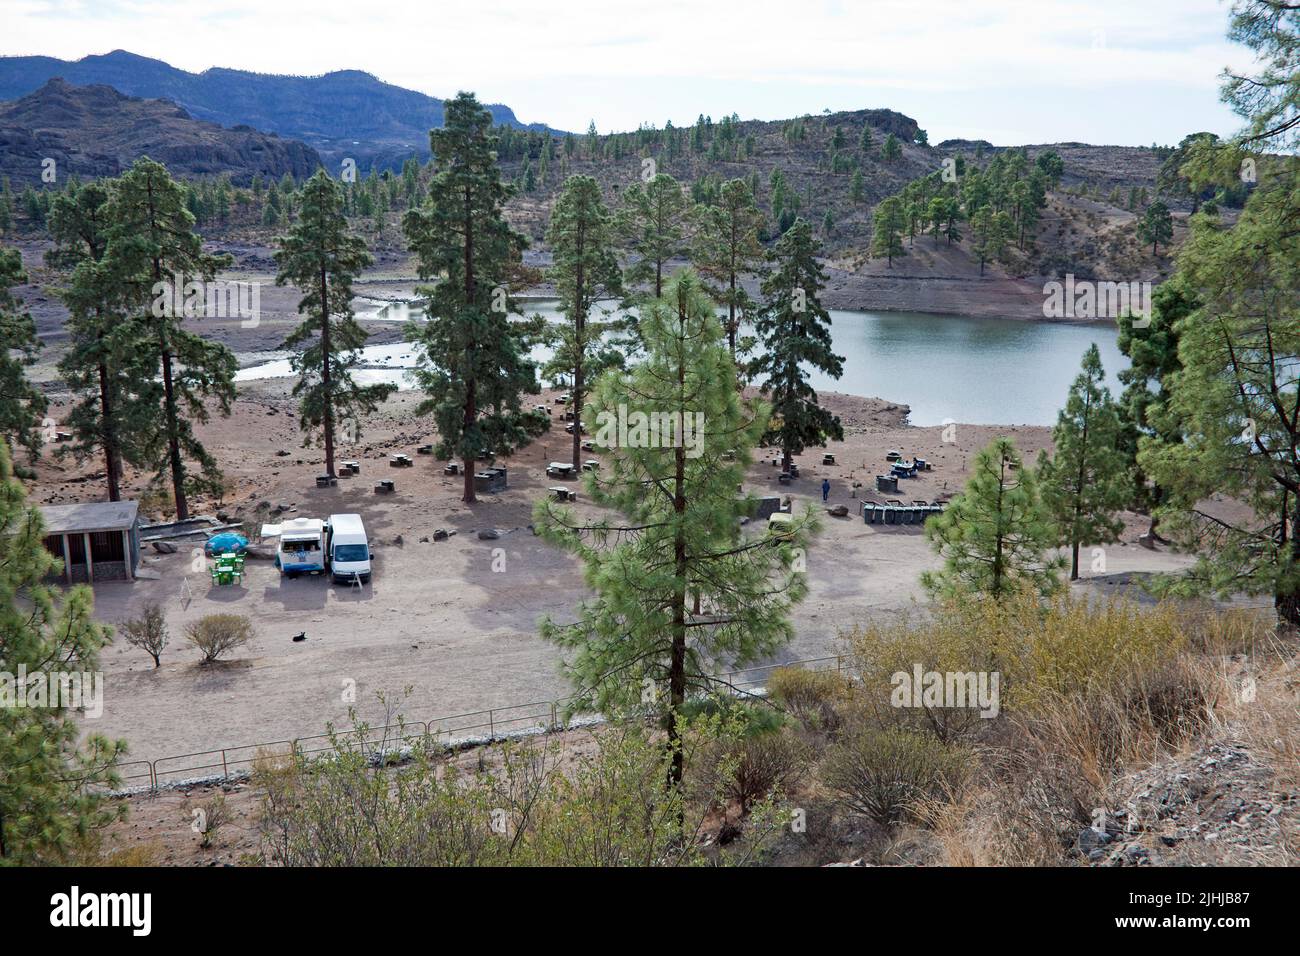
x: 90, y: 516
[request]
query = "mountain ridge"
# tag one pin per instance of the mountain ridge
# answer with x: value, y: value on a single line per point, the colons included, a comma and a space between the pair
x: 342, y: 113
x: 97, y: 130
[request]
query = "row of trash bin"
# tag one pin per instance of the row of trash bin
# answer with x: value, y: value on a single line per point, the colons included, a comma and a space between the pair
x: 873, y: 513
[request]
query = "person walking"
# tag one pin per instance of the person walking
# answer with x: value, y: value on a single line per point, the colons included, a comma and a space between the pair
x: 826, y: 489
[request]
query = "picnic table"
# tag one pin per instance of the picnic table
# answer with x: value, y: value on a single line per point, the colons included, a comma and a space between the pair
x: 228, y: 568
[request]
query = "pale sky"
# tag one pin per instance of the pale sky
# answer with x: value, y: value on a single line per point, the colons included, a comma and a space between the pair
x: 1127, y: 72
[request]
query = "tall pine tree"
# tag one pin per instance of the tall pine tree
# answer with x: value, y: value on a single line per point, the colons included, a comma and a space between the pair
x: 51, y: 786
x: 795, y: 331
x: 322, y: 258
x: 585, y: 271
x: 1152, y: 349
x: 1086, y: 480
x: 21, y: 403
x: 655, y: 224
x: 728, y: 249
x: 887, y: 229
x: 679, y: 594
x: 105, y: 365
x: 1234, y: 402
x: 995, y: 535
x: 153, y: 252
x: 473, y: 360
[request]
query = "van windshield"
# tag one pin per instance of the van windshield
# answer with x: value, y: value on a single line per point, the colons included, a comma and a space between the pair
x: 344, y: 553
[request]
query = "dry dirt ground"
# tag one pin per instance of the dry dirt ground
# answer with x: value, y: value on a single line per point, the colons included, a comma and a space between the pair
x: 436, y: 618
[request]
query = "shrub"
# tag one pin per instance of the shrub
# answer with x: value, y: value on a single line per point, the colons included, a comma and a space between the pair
x: 887, y: 774
x: 1074, y: 644
x: 960, y: 637
x: 810, y: 697
x: 765, y: 764
x: 1098, y: 729
x: 148, y: 632
x: 207, y: 818
x: 531, y: 804
x: 218, y: 634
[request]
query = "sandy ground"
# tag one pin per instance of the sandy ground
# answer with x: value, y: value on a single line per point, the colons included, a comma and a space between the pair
x: 436, y: 619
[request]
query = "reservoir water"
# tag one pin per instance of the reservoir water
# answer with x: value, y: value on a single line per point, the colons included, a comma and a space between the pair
x: 972, y: 370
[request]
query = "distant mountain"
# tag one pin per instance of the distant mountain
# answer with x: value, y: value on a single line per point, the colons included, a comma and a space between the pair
x: 97, y: 131
x: 343, y: 114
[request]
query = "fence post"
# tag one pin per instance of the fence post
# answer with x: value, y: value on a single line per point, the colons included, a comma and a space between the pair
x: 492, y: 730
x: 225, y: 771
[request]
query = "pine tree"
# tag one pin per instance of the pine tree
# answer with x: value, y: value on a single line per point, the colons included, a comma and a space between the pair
x: 857, y: 187
x: 655, y: 224
x: 936, y: 211
x: 473, y: 359
x: 322, y: 258
x: 1227, y: 425
x: 795, y: 332
x: 1086, y: 480
x: 994, y: 536
x: 585, y: 271
x: 728, y: 248
x: 21, y: 403
x: 152, y: 252
x: 51, y: 786
x: 680, y: 594
x: 865, y: 141
x: 1156, y: 226
x: 1225, y: 422
x: 1152, y: 351
x: 891, y: 150
x: 107, y: 365
x: 887, y: 229
x: 991, y: 231
x: 6, y: 207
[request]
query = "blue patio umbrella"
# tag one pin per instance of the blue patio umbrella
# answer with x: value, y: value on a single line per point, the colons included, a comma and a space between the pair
x: 226, y: 542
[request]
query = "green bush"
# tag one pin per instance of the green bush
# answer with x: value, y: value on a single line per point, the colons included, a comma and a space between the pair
x: 887, y: 774
x: 218, y: 634
x: 811, y: 697
x: 763, y: 765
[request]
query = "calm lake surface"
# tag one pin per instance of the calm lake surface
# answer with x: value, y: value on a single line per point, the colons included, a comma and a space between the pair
x: 976, y: 371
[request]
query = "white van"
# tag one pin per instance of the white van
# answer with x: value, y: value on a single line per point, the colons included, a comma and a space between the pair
x: 349, y: 549
x: 302, y: 546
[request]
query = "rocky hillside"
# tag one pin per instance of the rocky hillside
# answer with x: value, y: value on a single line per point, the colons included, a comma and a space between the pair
x: 98, y: 131
x: 345, y: 113
x: 1086, y: 228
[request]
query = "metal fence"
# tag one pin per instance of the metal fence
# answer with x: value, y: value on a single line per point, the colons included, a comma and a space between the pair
x: 478, y: 725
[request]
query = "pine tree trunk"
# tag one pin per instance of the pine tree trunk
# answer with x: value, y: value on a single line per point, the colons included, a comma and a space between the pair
x: 1074, y: 561
x: 471, y: 413
x: 731, y: 299
x: 108, y: 436
x: 1287, y: 603
x: 580, y: 346
x: 731, y: 318
x: 325, y: 375
x: 677, y: 665
x: 173, y: 436
x: 471, y: 397
x: 577, y: 413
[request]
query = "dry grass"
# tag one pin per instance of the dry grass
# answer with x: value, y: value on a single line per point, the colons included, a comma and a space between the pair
x: 1092, y: 692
